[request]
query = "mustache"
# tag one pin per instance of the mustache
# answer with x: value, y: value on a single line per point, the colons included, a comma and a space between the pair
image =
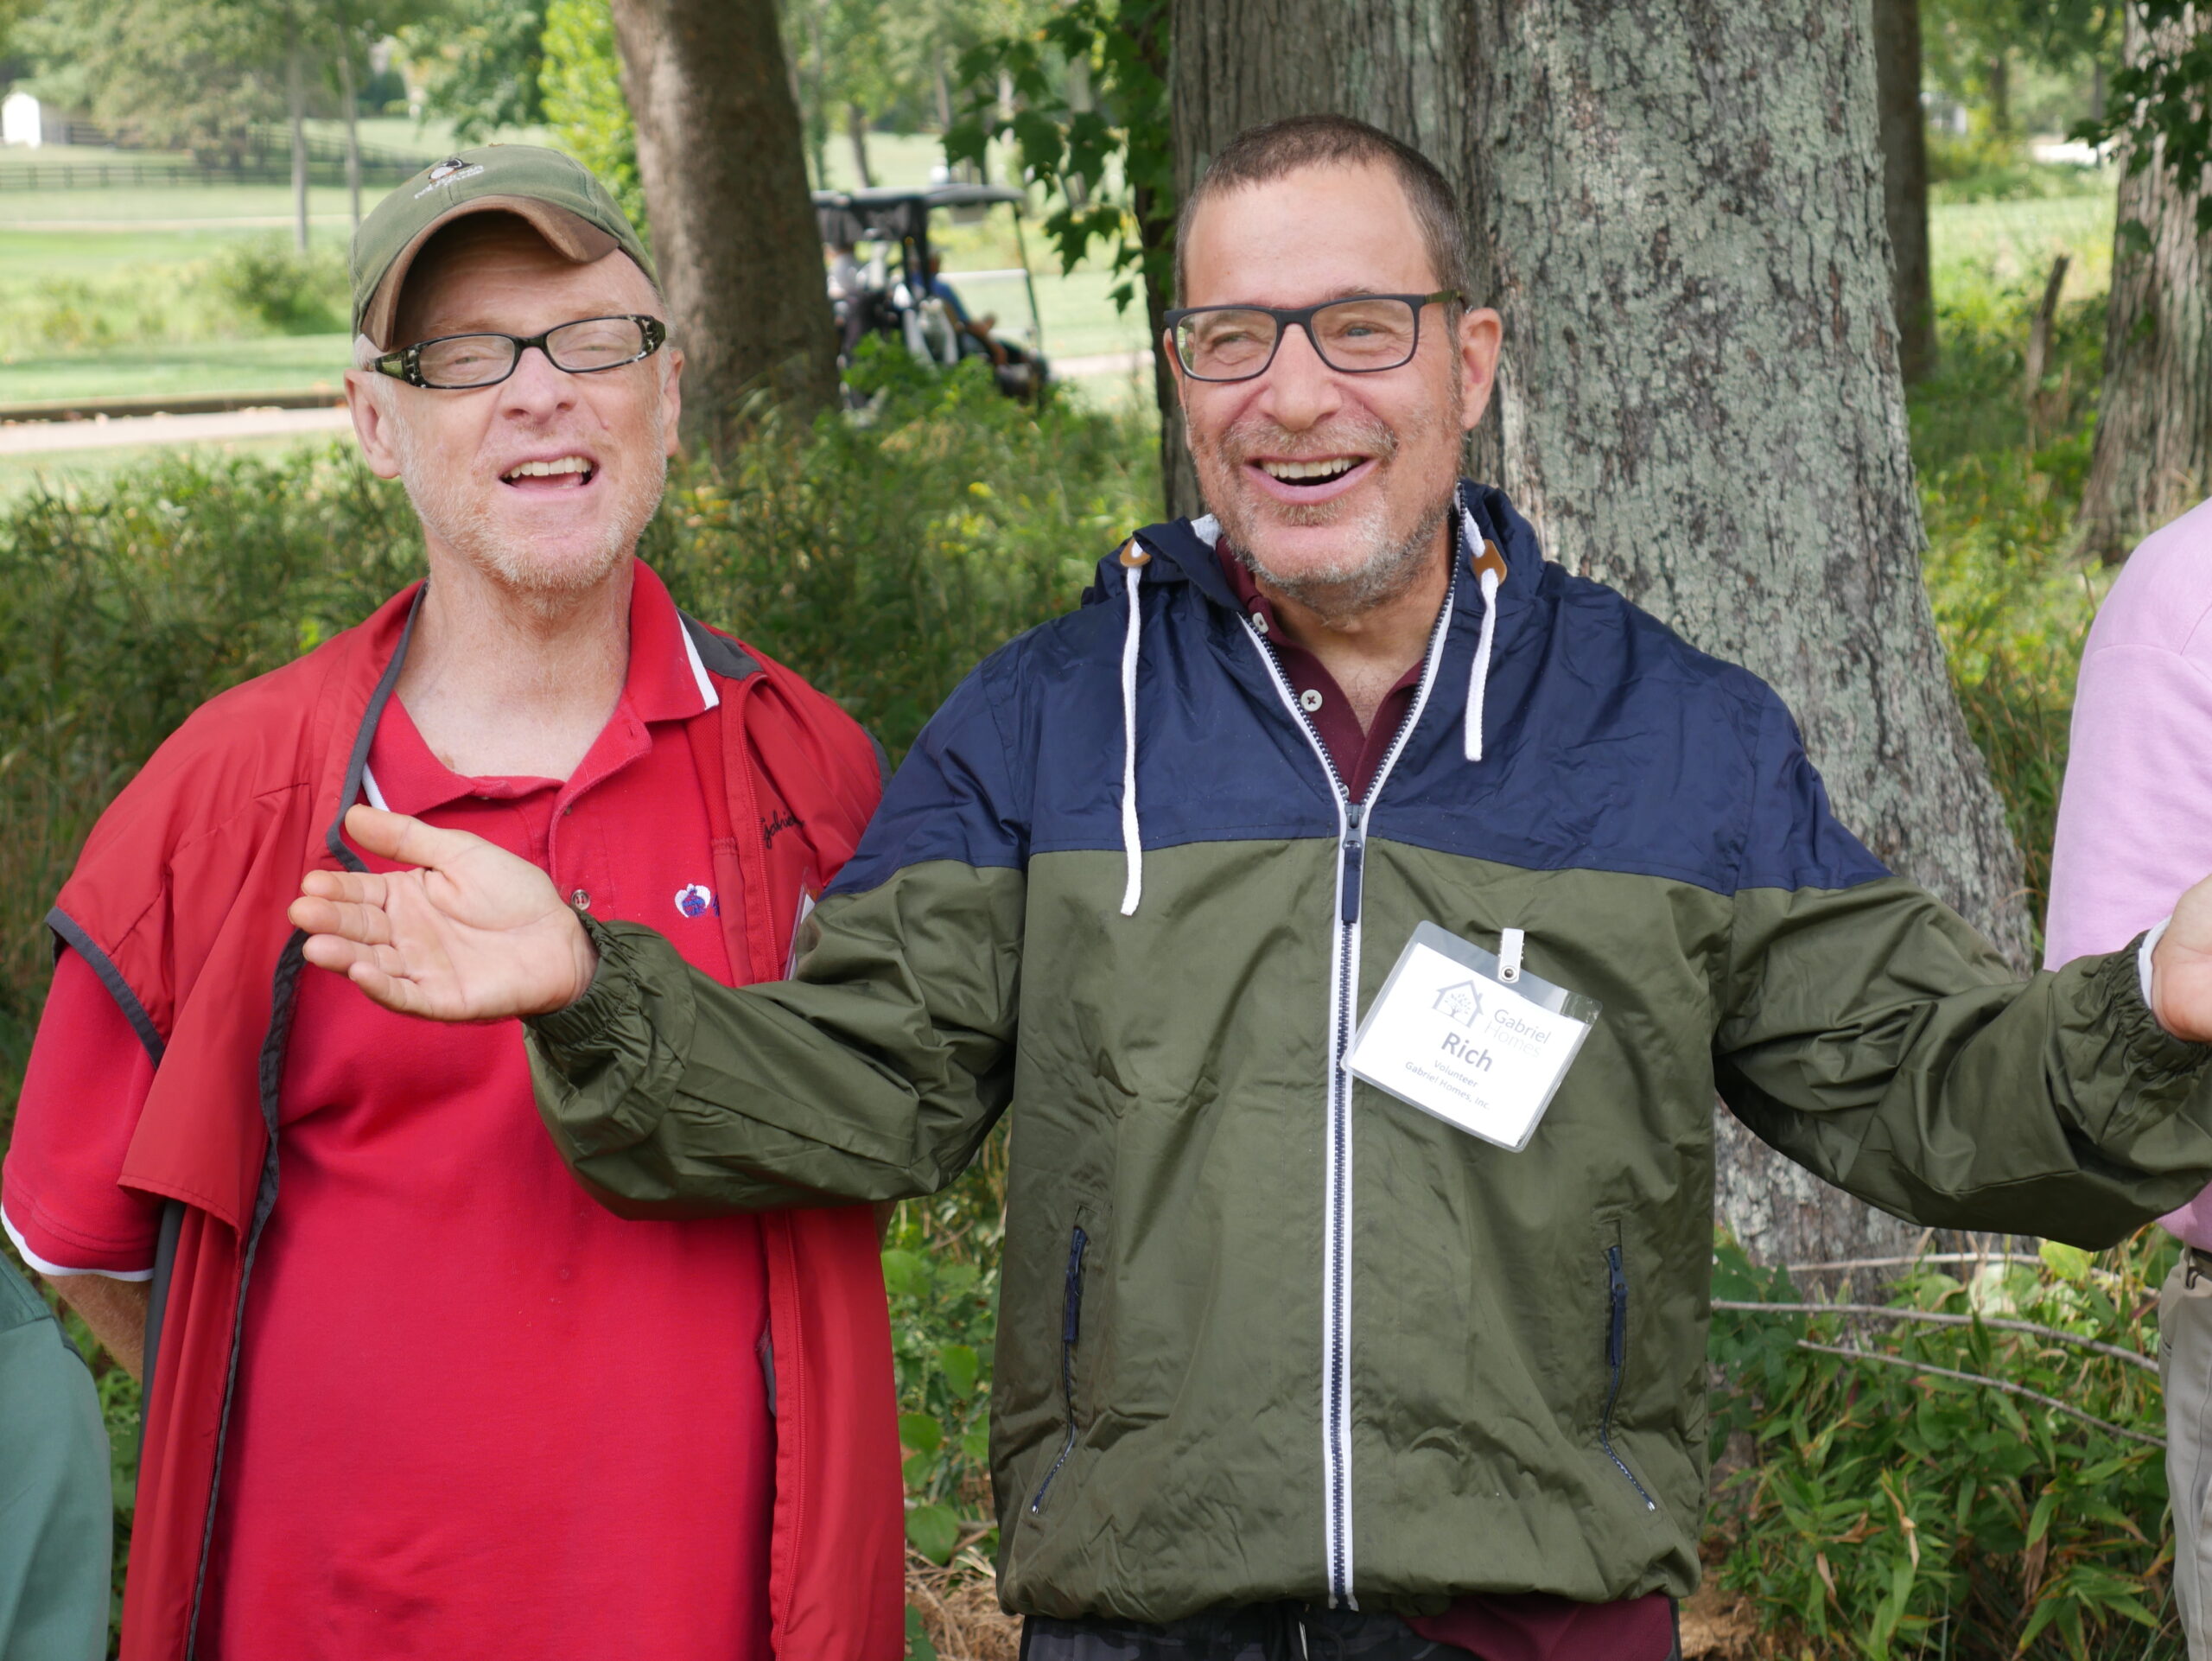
x: 1256, y: 434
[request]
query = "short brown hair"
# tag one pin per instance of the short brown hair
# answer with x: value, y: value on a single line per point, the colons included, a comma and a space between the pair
x: 1263, y: 154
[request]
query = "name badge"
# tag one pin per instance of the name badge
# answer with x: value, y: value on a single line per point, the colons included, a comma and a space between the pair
x: 1478, y: 1043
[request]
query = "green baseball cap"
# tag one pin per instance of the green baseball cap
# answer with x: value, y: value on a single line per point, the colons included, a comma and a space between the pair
x: 560, y: 197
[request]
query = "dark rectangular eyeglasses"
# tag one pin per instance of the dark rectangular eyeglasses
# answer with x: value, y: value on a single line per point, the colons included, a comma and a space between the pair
x: 1362, y: 335
x: 459, y: 362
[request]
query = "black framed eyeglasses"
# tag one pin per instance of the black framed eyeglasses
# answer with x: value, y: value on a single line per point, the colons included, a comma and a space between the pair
x: 1362, y: 334
x: 455, y: 363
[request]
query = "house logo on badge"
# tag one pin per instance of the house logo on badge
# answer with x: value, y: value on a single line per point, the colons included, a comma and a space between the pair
x: 1461, y: 1002
x: 696, y: 900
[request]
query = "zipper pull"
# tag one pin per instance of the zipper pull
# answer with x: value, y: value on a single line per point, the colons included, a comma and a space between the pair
x: 1354, y: 857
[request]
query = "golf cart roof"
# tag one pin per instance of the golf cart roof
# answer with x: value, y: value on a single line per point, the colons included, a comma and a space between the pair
x: 889, y: 213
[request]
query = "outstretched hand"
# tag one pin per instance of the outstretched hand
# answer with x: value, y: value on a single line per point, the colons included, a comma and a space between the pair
x: 2181, y: 969
x: 473, y: 933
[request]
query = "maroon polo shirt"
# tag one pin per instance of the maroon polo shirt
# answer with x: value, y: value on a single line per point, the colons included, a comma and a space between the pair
x: 1519, y: 1626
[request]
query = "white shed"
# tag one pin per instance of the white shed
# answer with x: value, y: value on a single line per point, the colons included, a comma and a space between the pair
x: 29, y: 121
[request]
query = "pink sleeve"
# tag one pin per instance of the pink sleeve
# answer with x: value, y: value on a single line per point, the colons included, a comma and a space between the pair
x: 2135, y: 817
x: 59, y: 1197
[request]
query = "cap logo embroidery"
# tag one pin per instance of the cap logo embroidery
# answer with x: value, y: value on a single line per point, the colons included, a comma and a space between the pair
x: 447, y: 171
x: 696, y: 899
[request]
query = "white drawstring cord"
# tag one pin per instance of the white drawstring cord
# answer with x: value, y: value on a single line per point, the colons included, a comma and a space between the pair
x: 1490, y: 571
x: 1133, y: 560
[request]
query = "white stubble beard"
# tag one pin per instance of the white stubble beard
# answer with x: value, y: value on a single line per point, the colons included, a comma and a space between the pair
x: 464, y: 522
x: 1373, y: 567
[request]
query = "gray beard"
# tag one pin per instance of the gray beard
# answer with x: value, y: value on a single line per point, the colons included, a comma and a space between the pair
x: 464, y: 524
x: 1356, y: 585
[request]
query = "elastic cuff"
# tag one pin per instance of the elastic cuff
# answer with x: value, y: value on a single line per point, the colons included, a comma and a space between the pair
x: 2149, y: 1045
x: 2143, y: 954
x: 577, y: 1029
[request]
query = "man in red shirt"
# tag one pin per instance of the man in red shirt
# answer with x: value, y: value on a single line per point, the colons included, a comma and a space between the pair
x: 411, y: 1391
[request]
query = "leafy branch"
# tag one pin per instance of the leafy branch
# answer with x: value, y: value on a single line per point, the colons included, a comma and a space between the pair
x: 2164, y: 98
x: 1108, y: 105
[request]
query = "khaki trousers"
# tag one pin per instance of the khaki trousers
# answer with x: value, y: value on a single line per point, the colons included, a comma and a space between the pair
x: 2185, y: 1366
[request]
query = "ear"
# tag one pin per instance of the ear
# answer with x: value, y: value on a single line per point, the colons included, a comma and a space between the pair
x: 1175, y: 368
x: 372, y: 424
x: 671, y: 397
x: 1479, y: 337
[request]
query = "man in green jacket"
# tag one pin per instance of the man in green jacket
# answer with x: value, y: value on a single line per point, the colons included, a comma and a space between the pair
x: 1359, y: 915
x: 57, y: 1518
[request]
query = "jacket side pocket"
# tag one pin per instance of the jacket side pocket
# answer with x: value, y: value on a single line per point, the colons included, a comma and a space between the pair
x: 1070, y: 1331
x: 1616, y: 1363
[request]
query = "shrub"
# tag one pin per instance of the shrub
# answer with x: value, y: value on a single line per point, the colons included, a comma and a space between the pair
x: 269, y: 283
x: 1888, y: 1510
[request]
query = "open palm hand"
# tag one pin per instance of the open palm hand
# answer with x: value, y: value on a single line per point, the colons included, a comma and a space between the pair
x: 471, y: 933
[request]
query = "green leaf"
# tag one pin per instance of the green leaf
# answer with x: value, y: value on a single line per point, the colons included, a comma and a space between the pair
x: 921, y: 1432
x: 918, y: 1647
x: 933, y: 1531
x: 2068, y: 1262
x: 905, y: 1274
x: 962, y: 1366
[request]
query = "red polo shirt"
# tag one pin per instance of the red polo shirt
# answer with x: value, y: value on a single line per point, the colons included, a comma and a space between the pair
x: 1527, y: 1627
x: 477, y: 1414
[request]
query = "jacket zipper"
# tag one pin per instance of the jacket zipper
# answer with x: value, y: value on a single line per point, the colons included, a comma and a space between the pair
x: 1071, y: 1327
x: 1616, y: 1364
x: 1353, y: 819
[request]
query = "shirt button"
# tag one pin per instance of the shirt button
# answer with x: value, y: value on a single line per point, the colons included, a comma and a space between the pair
x: 1309, y: 700
x: 580, y: 900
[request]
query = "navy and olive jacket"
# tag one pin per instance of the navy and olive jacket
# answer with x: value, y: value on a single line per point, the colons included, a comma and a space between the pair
x: 1266, y: 1332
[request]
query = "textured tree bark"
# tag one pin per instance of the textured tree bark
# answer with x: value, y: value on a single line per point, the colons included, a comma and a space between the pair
x: 1678, y: 208
x: 2152, y: 455
x: 719, y: 154
x: 1904, y: 180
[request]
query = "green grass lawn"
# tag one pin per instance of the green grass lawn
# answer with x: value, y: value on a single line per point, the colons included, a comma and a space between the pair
x: 281, y: 363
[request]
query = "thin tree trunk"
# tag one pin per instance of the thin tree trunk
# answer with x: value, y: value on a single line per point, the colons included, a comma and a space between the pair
x: 2152, y: 454
x: 2000, y: 95
x: 1904, y: 180
x: 856, y: 135
x: 295, y: 105
x: 719, y: 152
x: 353, y: 125
x: 1678, y: 208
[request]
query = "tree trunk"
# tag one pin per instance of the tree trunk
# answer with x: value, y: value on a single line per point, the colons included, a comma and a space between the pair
x: 1678, y: 209
x: 345, y: 98
x: 1904, y: 180
x: 295, y: 108
x: 2152, y: 456
x: 733, y: 230
x: 2000, y: 95
x: 857, y: 135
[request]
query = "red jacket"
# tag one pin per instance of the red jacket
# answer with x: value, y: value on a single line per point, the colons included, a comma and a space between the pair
x: 178, y: 902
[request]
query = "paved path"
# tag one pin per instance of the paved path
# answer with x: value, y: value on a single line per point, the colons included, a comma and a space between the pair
x: 1113, y: 363
x: 49, y: 437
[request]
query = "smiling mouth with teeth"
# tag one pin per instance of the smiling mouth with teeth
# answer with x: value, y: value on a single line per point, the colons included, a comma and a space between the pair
x: 565, y: 473
x: 1312, y: 473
